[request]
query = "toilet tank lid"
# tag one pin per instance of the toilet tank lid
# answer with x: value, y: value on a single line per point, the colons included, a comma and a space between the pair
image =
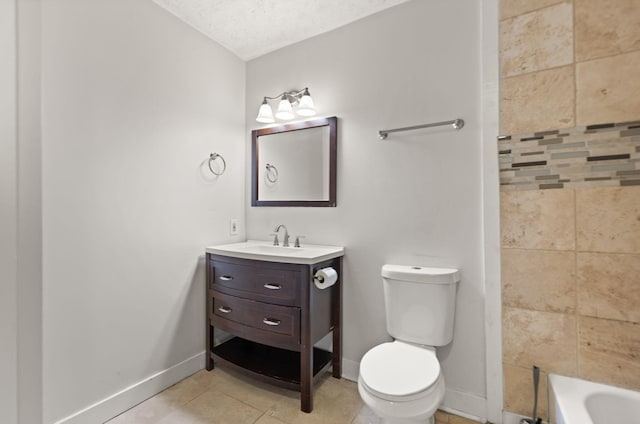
x: 421, y: 274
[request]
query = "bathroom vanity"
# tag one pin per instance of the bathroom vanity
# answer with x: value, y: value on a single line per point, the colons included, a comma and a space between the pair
x: 265, y: 298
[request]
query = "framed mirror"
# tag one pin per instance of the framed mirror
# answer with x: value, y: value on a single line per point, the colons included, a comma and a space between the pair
x: 295, y: 164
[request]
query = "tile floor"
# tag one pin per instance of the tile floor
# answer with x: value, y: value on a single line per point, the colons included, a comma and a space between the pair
x: 222, y: 396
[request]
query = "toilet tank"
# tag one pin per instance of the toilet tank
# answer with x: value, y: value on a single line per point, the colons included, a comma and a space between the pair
x: 420, y: 303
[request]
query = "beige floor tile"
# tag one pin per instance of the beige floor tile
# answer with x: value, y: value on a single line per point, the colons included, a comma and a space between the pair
x: 339, y: 396
x: 456, y: 419
x: 154, y: 409
x: 366, y: 416
x: 258, y: 394
x: 148, y: 412
x: 189, y: 388
x: 606, y: 27
x: 545, y: 339
x: 608, y: 90
x: 607, y: 219
x: 335, y: 401
x: 266, y: 419
x: 539, y: 280
x: 538, y: 219
x: 185, y: 417
x: 213, y: 407
x: 441, y: 417
x: 538, y: 40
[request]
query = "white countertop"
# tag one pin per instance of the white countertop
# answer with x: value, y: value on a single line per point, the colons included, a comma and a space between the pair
x: 265, y: 251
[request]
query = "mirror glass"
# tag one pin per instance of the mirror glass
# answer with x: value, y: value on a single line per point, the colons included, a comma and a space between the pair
x: 295, y: 164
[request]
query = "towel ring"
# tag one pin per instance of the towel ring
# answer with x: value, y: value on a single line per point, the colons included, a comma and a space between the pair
x: 275, y: 171
x: 214, y: 156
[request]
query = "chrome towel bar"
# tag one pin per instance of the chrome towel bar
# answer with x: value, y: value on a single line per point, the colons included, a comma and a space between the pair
x: 455, y: 123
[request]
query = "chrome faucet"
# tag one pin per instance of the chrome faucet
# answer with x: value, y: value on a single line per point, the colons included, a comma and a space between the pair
x: 285, y: 242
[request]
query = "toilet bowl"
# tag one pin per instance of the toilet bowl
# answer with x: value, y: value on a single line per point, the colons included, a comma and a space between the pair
x: 401, y: 381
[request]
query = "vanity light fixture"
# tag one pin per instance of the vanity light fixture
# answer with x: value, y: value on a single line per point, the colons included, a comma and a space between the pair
x: 285, y: 108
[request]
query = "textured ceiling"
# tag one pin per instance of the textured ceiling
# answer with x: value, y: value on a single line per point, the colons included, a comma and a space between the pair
x: 251, y: 28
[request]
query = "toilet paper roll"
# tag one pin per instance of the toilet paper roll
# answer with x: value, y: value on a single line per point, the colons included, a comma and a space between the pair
x: 325, y: 277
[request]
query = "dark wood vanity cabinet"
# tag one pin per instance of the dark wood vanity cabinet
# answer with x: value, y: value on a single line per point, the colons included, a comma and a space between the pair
x: 274, y: 314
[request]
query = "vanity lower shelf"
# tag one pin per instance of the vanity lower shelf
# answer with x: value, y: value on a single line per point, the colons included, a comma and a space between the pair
x: 268, y: 363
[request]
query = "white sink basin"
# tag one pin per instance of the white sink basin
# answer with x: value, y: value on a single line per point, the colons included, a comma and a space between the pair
x: 266, y: 251
x: 270, y: 249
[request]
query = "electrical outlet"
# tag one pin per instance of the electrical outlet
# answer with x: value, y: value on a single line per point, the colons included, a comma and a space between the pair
x: 233, y: 227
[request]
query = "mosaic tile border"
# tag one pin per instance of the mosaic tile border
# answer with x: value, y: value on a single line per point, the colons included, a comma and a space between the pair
x: 592, y: 156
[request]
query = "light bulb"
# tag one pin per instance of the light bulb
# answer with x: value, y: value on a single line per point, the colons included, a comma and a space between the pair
x: 265, y: 114
x: 285, y: 112
x: 306, y: 107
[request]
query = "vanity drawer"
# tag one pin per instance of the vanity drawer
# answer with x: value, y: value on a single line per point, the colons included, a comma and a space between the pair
x: 273, y: 319
x: 279, y: 286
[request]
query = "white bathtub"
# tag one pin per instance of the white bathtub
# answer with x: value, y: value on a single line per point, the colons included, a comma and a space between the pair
x: 575, y: 401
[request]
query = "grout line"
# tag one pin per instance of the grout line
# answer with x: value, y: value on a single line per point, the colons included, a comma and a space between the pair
x: 575, y: 267
x: 539, y: 250
x: 578, y: 364
x: 533, y: 10
x: 574, y: 62
x: 566, y: 65
x: 608, y: 56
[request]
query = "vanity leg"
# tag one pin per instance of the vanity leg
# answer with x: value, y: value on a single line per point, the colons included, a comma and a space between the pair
x: 209, y: 338
x: 209, y: 346
x: 336, y: 311
x: 337, y: 354
x: 306, y: 379
x: 306, y: 345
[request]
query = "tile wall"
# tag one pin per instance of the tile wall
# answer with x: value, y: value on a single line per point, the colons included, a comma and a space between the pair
x: 570, y: 249
x: 591, y: 156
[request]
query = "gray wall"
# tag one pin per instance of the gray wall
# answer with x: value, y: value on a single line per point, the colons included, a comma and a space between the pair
x: 415, y: 198
x: 20, y: 214
x: 29, y: 213
x: 8, y: 215
x: 133, y: 103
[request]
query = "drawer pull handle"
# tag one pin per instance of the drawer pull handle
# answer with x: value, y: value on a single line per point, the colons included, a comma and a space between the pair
x: 272, y: 286
x: 224, y: 309
x: 226, y: 278
x: 271, y: 321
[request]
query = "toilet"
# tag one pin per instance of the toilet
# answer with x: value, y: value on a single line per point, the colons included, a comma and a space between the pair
x: 401, y: 380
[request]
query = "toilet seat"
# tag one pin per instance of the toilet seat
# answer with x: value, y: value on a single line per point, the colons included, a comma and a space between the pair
x: 398, y: 371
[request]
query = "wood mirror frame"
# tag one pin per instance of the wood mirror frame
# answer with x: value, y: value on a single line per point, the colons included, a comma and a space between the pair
x: 332, y: 123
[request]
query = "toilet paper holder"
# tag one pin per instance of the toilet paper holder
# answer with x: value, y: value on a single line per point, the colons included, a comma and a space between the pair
x: 325, y: 277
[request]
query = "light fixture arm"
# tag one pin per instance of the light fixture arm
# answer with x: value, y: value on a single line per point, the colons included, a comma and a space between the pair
x: 293, y: 96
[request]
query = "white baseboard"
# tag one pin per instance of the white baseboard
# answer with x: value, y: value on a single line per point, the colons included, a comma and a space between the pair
x: 119, y: 402
x: 350, y: 369
x: 464, y: 404
x: 511, y: 418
